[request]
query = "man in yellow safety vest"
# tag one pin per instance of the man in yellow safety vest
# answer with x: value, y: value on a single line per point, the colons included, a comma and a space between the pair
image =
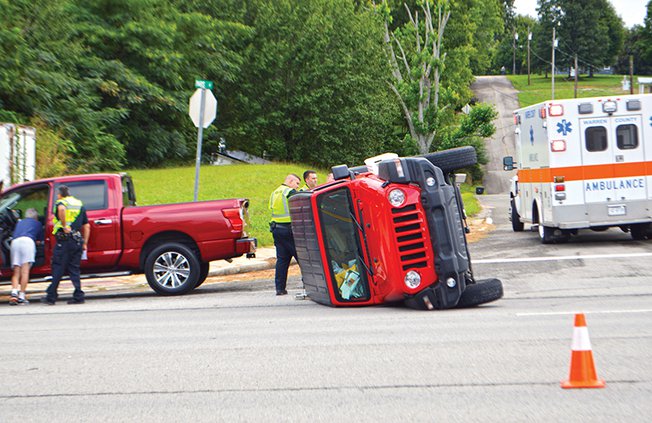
x: 71, y: 230
x: 282, y: 231
x: 310, y: 179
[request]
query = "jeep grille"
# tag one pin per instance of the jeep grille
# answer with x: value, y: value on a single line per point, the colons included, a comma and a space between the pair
x: 409, y: 230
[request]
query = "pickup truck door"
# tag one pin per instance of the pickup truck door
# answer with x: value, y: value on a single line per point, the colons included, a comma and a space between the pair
x: 101, y: 203
x: 16, y: 203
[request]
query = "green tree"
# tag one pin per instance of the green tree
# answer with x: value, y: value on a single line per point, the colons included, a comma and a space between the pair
x: 147, y: 54
x: 589, y: 30
x: 42, y: 77
x: 430, y: 61
x: 311, y: 88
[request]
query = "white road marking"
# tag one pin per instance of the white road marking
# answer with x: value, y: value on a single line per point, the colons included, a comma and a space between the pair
x: 578, y: 257
x: 563, y: 313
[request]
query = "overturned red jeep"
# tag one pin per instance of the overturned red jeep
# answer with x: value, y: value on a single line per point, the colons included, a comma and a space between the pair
x: 390, y: 231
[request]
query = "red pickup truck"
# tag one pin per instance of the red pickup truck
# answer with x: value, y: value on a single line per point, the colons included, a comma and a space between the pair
x: 172, y: 243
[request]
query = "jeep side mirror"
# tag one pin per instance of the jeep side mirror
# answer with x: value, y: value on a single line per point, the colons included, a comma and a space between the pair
x: 508, y: 163
x: 340, y: 172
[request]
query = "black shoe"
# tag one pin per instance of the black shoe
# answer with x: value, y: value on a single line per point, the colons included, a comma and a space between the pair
x: 283, y: 292
x: 74, y: 301
x: 44, y: 300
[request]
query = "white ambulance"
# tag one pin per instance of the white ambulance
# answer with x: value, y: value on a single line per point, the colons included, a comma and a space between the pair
x: 583, y: 163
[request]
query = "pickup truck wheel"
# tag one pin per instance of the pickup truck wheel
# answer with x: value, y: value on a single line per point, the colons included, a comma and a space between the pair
x: 203, y: 273
x: 453, y: 159
x: 172, y: 269
x: 517, y: 225
x: 481, y: 292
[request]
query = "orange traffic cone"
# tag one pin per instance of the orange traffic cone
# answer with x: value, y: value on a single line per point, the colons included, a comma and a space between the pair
x: 582, y: 369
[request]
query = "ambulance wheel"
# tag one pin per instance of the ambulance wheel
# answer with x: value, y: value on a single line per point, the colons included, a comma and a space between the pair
x: 481, y: 292
x: 453, y: 159
x: 546, y: 234
x: 517, y: 225
x: 639, y: 231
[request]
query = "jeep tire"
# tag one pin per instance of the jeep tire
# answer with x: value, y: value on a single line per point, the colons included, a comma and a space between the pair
x: 481, y: 292
x: 453, y: 159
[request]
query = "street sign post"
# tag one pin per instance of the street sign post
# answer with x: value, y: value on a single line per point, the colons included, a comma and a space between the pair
x: 202, y: 111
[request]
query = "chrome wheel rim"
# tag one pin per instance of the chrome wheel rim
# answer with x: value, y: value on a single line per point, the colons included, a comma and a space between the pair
x: 171, y: 269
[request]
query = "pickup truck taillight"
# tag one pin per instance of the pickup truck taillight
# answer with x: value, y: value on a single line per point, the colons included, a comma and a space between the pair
x: 238, y: 217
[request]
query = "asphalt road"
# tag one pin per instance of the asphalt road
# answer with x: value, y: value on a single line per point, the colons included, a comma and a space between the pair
x: 235, y: 352
x: 497, y: 90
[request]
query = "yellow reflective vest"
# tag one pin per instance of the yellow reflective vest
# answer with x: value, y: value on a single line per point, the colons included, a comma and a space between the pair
x: 278, y: 204
x: 73, y: 209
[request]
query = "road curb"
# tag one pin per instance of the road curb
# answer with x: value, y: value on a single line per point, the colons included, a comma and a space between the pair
x: 244, y: 268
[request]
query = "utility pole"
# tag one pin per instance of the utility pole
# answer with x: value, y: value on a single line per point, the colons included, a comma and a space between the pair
x: 554, y: 42
x: 631, y: 74
x: 514, y: 53
x: 576, y: 71
x: 529, y: 38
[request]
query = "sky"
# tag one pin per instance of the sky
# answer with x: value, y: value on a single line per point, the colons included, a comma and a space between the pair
x: 631, y: 11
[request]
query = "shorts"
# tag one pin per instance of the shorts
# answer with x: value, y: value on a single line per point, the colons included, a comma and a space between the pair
x: 23, y: 250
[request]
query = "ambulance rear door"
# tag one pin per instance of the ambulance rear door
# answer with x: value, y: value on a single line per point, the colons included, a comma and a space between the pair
x: 629, y: 158
x: 597, y: 160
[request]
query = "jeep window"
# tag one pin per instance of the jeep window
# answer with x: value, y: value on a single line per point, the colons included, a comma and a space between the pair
x: 342, y: 243
x: 596, y: 138
x: 627, y: 137
x: 93, y: 194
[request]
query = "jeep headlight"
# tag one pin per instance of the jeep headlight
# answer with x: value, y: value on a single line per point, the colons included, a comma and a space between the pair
x: 396, y: 197
x: 412, y: 279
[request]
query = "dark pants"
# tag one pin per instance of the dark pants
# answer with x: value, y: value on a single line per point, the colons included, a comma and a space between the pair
x: 285, y: 250
x: 66, y: 259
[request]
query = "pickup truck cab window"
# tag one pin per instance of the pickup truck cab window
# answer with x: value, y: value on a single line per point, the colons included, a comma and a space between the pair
x: 93, y: 194
x: 128, y: 192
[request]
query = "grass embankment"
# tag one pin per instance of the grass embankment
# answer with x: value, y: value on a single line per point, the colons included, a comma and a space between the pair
x: 255, y: 182
x: 540, y: 88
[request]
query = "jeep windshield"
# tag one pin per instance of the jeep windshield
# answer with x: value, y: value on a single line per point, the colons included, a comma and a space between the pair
x: 342, y: 242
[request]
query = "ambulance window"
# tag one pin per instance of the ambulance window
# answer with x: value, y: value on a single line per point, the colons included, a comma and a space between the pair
x: 627, y: 136
x: 596, y: 138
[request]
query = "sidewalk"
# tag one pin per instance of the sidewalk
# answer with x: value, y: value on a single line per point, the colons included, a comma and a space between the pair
x: 265, y: 259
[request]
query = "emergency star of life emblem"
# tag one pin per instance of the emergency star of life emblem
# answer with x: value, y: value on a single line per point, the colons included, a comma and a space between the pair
x: 531, y: 135
x: 564, y: 127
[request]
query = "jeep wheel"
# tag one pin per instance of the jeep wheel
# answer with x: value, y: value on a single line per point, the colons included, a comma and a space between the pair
x: 203, y: 273
x: 481, y: 292
x: 517, y: 225
x: 453, y: 159
x: 172, y: 269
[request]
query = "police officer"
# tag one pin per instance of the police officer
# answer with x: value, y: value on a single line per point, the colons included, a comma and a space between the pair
x: 71, y: 230
x: 310, y: 179
x: 282, y: 231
